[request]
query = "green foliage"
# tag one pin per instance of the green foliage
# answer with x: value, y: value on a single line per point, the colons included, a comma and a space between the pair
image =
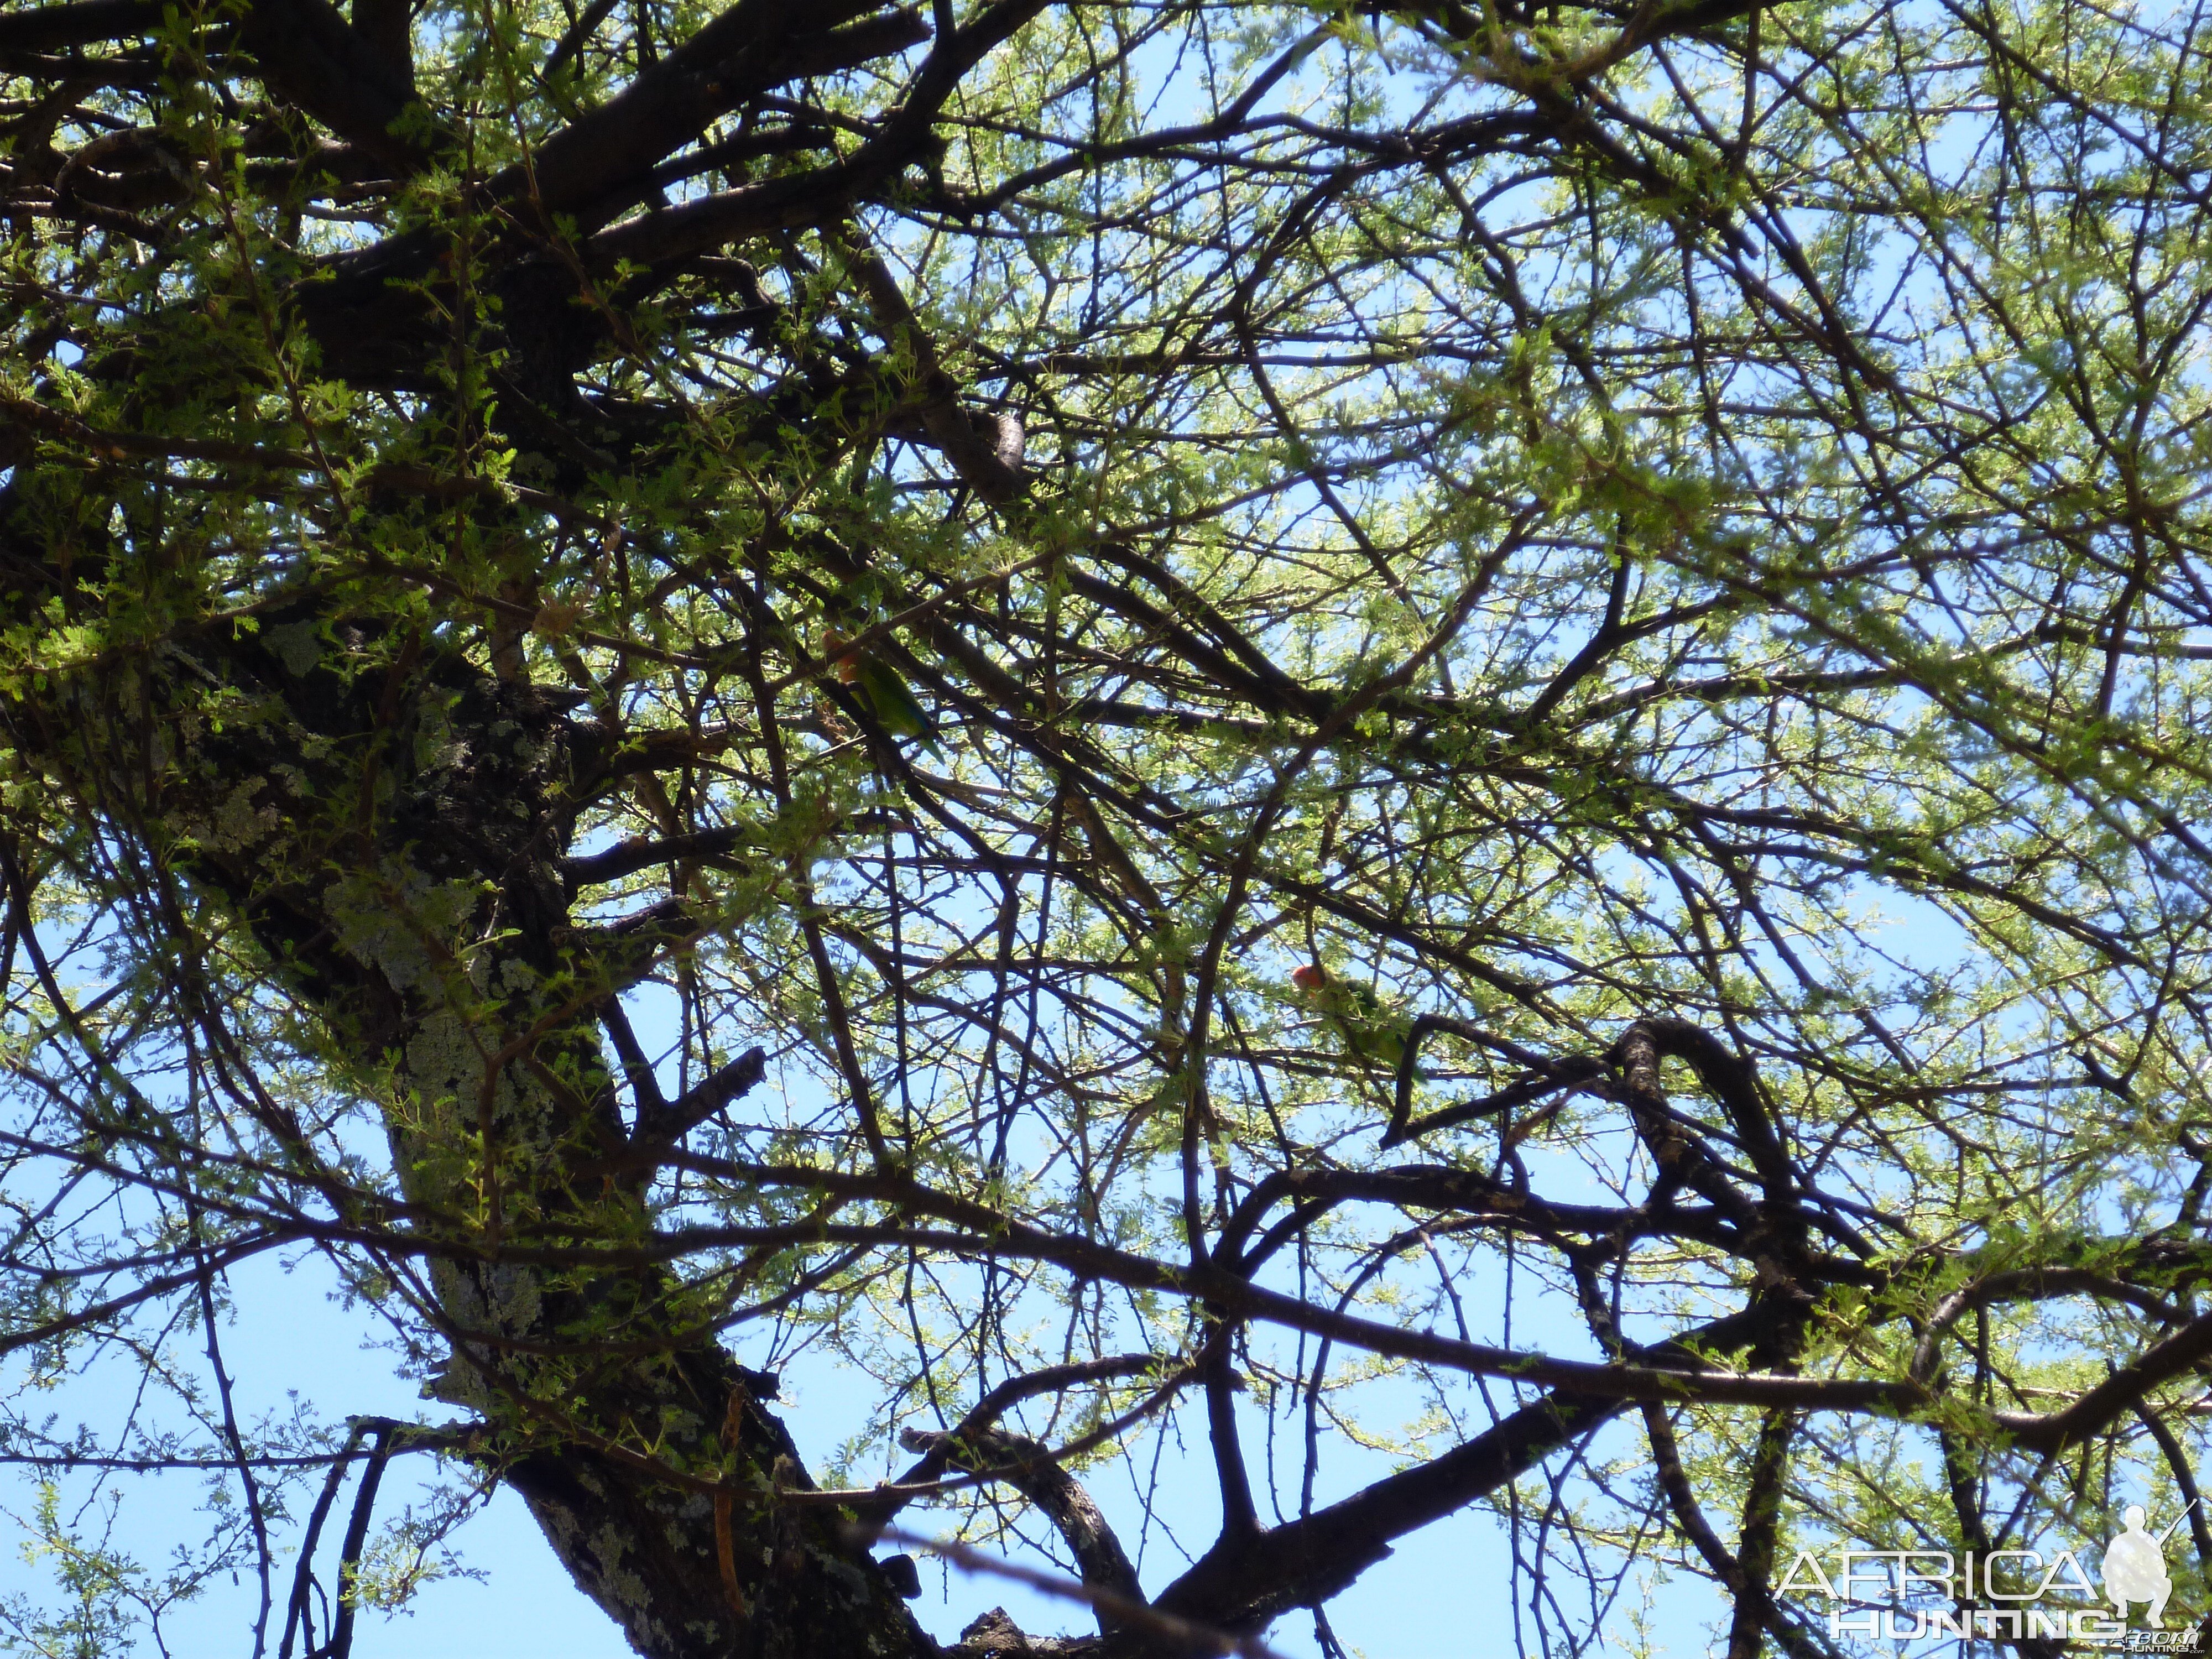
x: 1684, y: 529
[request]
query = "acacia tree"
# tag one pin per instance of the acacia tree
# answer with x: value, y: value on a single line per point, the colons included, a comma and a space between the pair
x: 1473, y: 730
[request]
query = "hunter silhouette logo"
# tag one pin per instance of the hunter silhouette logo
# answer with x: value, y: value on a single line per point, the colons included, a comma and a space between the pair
x: 2135, y: 1567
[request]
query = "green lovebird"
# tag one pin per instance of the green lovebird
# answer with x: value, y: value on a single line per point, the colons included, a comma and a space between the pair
x: 1373, y: 1032
x: 889, y: 700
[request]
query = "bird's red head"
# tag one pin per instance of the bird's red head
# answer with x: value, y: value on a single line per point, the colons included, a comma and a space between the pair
x: 1309, y: 977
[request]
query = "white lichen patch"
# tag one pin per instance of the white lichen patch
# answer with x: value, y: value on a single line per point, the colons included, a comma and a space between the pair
x: 610, y: 1546
x: 239, y: 824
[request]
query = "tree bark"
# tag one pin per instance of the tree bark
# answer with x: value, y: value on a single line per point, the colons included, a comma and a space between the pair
x: 389, y: 822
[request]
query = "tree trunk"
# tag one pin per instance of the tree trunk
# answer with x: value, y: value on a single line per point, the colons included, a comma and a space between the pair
x: 390, y: 821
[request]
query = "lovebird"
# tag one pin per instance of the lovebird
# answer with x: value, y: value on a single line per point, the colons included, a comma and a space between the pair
x: 1373, y: 1032
x: 887, y: 697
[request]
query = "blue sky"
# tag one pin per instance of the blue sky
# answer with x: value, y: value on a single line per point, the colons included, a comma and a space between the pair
x: 1442, y: 1592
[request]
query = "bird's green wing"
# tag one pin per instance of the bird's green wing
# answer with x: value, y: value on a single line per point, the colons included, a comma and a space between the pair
x: 1373, y: 1031
x: 894, y: 705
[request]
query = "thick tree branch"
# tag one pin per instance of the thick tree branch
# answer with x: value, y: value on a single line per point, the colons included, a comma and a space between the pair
x: 1028, y: 1467
x: 56, y: 29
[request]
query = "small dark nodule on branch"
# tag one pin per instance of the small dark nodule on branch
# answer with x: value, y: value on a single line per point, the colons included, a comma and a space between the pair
x: 904, y: 1574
